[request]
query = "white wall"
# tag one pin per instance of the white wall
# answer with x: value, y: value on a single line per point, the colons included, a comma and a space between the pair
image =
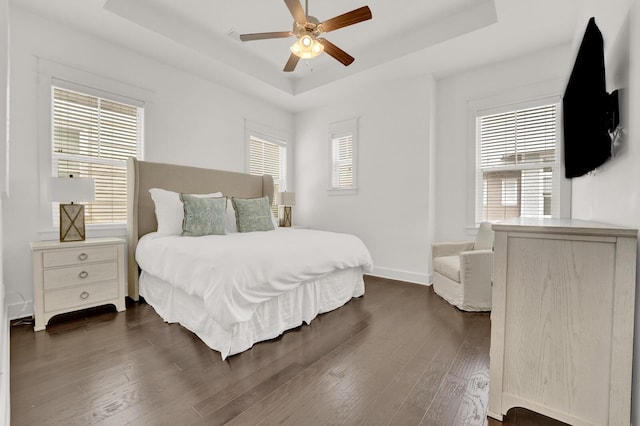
x: 390, y: 212
x: 189, y: 121
x: 612, y: 193
x: 529, y: 77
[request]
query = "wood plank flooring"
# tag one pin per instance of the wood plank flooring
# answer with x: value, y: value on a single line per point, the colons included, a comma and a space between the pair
x: 400, y: 355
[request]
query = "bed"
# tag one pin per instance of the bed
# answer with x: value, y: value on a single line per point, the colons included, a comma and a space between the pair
x: 237, y: 289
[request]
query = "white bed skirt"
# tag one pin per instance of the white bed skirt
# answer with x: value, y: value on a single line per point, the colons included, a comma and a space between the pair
x: 271, y: 318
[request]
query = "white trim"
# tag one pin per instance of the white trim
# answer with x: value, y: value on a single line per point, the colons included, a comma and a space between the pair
x: 345, y: 126
x: 20, y: 310
x: 345, y: 191
x: 399, y: 275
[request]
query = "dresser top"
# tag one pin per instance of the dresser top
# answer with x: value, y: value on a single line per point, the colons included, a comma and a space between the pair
x: 563, y: 226
x: 44, y: 245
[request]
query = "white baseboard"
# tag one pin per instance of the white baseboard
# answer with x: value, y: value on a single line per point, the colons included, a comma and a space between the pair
x: 20, y: 309
x: 395, y: 274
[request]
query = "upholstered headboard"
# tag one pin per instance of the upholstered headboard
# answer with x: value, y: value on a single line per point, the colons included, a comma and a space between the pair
x: 143, y: 175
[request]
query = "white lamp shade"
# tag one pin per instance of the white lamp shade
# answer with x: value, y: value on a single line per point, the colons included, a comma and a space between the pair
x: 285, y: 198
x: 71, y: 189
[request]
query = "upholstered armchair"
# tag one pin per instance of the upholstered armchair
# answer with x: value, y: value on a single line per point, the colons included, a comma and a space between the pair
x: 462, y: 271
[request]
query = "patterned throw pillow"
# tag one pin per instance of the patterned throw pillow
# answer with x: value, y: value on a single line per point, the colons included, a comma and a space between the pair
x: 253, y: 214
x: 203, y: 216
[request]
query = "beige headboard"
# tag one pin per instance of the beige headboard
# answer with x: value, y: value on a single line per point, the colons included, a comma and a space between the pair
x: 143, y: 175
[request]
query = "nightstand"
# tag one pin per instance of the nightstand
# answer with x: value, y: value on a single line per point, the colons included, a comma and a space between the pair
x: 71, y: 276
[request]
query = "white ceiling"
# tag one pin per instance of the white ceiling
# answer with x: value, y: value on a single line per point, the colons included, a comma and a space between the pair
x: 409, y: 37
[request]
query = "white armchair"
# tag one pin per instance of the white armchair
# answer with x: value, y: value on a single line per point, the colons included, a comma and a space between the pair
x: 462, y: 271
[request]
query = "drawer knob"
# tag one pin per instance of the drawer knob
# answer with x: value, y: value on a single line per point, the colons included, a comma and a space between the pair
x: 83, y: 274
x: 83, y: 256
x: 84, y: 295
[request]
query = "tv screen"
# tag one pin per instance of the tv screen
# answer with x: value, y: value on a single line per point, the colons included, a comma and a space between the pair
x: 589, y: 112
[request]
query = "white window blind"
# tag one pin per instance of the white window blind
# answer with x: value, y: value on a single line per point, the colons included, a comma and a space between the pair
x: 517, y: 162
x: 342, y: 160
x: 269, y: 157
x: 93, y: 137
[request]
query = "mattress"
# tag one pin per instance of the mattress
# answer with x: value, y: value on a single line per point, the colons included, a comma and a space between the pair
x: 270, y: 319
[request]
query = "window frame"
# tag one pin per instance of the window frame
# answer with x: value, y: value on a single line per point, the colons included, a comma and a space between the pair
x: 341, y: 128
x: 67, y: 77
x: 102, y: 161
x: 523, y: 98
x: 274, y: 136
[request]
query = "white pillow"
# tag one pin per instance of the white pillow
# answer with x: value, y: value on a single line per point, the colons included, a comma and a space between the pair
x: 232, y: 226
x: 169, y: 209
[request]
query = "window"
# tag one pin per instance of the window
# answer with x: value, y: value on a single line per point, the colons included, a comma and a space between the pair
x: 93, y: 137
x: 343, y: 138
x: 510, y: 192
x: 268, y: 156
x: 518, y: 162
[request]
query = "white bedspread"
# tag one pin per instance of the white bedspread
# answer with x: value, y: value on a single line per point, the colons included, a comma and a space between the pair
x: 234, y: 273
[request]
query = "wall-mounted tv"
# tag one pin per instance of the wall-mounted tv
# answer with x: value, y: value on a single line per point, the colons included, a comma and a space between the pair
x: 590, y: 114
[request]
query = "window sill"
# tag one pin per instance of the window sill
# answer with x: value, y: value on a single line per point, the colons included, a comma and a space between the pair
x: 109, y: 230
x: 349, y: 191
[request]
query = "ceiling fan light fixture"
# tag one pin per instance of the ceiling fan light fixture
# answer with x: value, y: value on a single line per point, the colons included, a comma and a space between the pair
x: 307, y: 47
x: 307, y: 29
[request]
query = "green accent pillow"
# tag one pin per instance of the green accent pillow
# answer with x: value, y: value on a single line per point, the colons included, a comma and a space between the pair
x: 203, y: 216
x: 253, y: 214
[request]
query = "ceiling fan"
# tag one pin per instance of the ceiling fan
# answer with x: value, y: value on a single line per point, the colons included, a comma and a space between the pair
x: 308, y: 31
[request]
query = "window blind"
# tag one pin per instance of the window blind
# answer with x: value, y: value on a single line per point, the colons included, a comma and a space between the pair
x: 269, y: 158
x: 518, y: 162
x: 342, y: 160
x: 93, y: 137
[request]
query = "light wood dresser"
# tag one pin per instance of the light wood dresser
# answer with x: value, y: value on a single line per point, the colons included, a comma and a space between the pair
x: 71, y: 276
x: 562, y: 320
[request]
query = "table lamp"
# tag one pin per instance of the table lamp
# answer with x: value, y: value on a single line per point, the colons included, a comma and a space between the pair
x: 65, y: 189
x: 286, y: 200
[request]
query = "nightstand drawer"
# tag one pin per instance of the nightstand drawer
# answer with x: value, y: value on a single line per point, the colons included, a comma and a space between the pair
x: 79, y: 255
x: 80, y: 295
x: 81, y: 274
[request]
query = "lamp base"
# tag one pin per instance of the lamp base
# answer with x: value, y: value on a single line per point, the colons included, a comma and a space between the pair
x: 72, y: 222
x: 285, y: 216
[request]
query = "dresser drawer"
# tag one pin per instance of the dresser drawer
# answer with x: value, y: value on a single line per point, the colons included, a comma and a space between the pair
x: 82, y: 274
x: 80, y: 295
x: 79, y: 255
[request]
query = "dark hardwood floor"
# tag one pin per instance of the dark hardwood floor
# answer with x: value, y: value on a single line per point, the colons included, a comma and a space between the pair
x: 399, y: 355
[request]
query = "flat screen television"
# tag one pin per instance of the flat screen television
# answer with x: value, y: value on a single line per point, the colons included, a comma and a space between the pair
x: 590, y: 114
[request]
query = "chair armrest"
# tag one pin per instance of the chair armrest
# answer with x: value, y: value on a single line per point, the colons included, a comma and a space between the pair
x: 451, y: 248
x: 476, y: 277
x: 476, y: 266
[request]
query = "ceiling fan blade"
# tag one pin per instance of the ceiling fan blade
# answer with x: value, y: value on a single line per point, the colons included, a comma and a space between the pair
x: 337, y: 53
x: 262, y: 36
x: 346, y: 19
x: 291, y: 63
x: 296, y: 11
